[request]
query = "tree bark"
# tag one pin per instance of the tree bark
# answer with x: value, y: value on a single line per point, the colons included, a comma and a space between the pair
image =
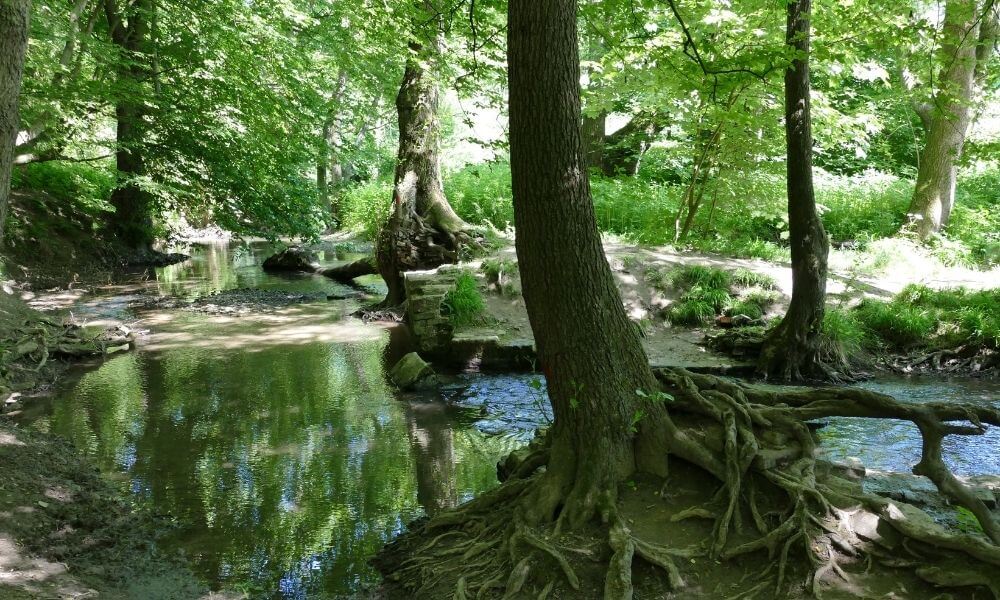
x: 423, y: 231
x: 791, y: 350
x: 623, y: 149
x: 329, y: 172
x: 947, y: 118
x: 593, y: 139
x: 589, y: 351
x: 14, y: 20
x: 132, y: 223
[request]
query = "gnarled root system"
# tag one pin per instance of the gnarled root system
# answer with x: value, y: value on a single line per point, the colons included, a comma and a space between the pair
x: 821, y: 533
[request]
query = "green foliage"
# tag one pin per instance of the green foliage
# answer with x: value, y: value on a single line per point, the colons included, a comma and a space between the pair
x: 706, y: 292
x: 920, y: 317
x: 693, y: 312
x: 481, y: 194
x: 754, y: 304
x: 842, y: 332
x: 748, y: 278
x: 364, y: 208
x: 863, y: 207
x: 696, y: 275
x: 87, y: 184
x: 975, y: 220
x: 901, y: 326
x: 496, y: 269
x: 464, y: 304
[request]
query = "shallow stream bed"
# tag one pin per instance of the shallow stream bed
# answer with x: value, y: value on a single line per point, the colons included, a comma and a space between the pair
x: 287, y: 459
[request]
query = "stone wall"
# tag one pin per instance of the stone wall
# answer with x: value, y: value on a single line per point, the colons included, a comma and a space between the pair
x: 425, y: 292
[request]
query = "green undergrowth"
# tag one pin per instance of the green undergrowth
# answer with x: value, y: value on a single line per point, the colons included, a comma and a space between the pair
x: 918, y: 319
x: 706, y: 292
x: 464, y: 305
x: 744, y: 214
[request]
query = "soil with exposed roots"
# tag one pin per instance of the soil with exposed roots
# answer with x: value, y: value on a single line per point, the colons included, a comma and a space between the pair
x: 747, y: 511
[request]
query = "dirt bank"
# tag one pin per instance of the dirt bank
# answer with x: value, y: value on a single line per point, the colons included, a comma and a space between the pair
x: 66, y: 533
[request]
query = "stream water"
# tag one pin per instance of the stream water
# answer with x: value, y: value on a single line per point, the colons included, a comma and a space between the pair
x: 288, y: 460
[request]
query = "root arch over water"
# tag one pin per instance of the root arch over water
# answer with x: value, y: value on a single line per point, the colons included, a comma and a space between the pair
x: 772, y: 495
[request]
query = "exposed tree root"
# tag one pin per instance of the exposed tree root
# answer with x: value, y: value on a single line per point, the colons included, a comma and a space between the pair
x: 29, y: 342
x: 775, y: 497
x: 411, y: 242
x: 967, y: 358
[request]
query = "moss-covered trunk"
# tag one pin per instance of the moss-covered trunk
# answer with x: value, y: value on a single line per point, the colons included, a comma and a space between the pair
x: 14, y: 18
x: 948, y: 117
x: 423, y: 230
x: 791, y: 350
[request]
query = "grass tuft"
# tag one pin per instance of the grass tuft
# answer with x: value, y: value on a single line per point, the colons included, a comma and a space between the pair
x: 464, y: 305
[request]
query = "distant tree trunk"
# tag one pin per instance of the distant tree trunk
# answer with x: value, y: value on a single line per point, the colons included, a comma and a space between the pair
x: 969, y: 35
x: 592, y: 133
x: 592, y: 129
x: 791, y: 350
x: 588, y: 349
x: 623, y: 149
x: 132, y: 223
x: 329, y: 172
x: 14, y: 19
x: 706, y: 153
x: 423, y: 231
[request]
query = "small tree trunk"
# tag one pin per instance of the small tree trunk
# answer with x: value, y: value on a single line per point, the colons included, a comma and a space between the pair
x: 625, y: 147
x: 947, y: 121
x: 592, y: 132
x: 14, y: 19
x: 329, y: 173
x: 322, y: 186
x: 791, y: 349
x: 589, y: 351
x: 423, y: 231
x: 132, y: 223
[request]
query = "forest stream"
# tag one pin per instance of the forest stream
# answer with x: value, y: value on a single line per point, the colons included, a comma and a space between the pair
x: 275, y: 441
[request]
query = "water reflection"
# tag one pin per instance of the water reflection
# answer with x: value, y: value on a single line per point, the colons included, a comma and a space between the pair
x: 518, y: 408
x: 287, y: 467
x: 213, y: 267
x: 890, y: 445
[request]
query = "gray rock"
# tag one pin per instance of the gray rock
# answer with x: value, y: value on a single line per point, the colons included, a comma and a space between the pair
x: 293, y: 258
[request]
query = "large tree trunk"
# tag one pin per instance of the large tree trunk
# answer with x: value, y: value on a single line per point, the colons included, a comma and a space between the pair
x: 589, y: 351
x: 14, y: 18
x: 947, y: 119
x: 423, y: 231
x: 611, y: 417
x: 624, y: 149
x: 791, y: 350
x: 132, y: 223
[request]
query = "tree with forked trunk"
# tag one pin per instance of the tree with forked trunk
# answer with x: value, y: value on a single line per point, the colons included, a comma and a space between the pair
x: 969, y: 35
x: 14, y: 19
x: 423, y: 230
x: 616, y: 419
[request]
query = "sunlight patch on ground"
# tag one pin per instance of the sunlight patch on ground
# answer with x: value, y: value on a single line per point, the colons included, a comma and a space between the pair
x: 8, y: 439
x: 36, y: 575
